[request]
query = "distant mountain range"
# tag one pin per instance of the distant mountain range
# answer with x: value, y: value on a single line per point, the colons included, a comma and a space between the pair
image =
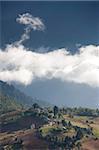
x: 10, y: 93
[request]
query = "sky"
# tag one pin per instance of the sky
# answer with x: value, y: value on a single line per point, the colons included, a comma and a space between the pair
x: 50, y: 50
x: 67, y: 23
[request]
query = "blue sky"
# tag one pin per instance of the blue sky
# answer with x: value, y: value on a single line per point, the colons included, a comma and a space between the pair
x: 67, y: 25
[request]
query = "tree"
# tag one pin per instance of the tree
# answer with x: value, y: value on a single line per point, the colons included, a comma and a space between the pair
x: 69, y: 124
x: 64, y: 123
x: 35, y: 105
x: 68, y: 142
x: 78, y: 145
x: 79, y: 134
x: 17, y: 145
x: 56, y: 110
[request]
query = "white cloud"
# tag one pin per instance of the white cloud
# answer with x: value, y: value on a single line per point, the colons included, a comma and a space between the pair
x: 31, y: 23
x: 34, y: 23
x: 21, y: 65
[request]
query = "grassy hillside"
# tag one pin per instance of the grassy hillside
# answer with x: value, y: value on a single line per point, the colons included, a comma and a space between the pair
x: 14, y: 93
x: 7, y: 104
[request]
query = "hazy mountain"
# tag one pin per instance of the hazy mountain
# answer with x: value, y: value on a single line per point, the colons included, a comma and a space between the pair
x: 18, y: 96
x: 63, y: 93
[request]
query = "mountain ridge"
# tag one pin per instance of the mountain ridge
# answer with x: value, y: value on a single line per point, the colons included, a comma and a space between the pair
x: 12, y: 92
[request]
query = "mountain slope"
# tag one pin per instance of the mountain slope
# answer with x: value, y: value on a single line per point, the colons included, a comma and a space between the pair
x: 7, y: 104
x: 15, y: 94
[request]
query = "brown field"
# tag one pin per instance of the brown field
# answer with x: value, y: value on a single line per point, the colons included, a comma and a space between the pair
x: 21, y: 129
x: 31, y: 141
x: 29, y: 137
x: 90, y: 144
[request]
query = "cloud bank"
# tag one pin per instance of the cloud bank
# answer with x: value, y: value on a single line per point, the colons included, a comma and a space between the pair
x: 21, y: 65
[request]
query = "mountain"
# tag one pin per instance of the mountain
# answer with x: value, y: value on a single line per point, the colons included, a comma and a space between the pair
x: 15, y: 94
x: 7, y: 104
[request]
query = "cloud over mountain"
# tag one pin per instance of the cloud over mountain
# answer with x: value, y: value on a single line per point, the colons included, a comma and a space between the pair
x: 21, y: 65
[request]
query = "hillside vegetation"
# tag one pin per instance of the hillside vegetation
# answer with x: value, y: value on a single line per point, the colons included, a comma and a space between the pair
x: 15, y: 94
x: 56, y: 128
x: 7, y: 104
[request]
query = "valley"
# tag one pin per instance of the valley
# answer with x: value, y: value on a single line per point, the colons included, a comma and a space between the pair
x: 50, y: 128
x: 37, y: 127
